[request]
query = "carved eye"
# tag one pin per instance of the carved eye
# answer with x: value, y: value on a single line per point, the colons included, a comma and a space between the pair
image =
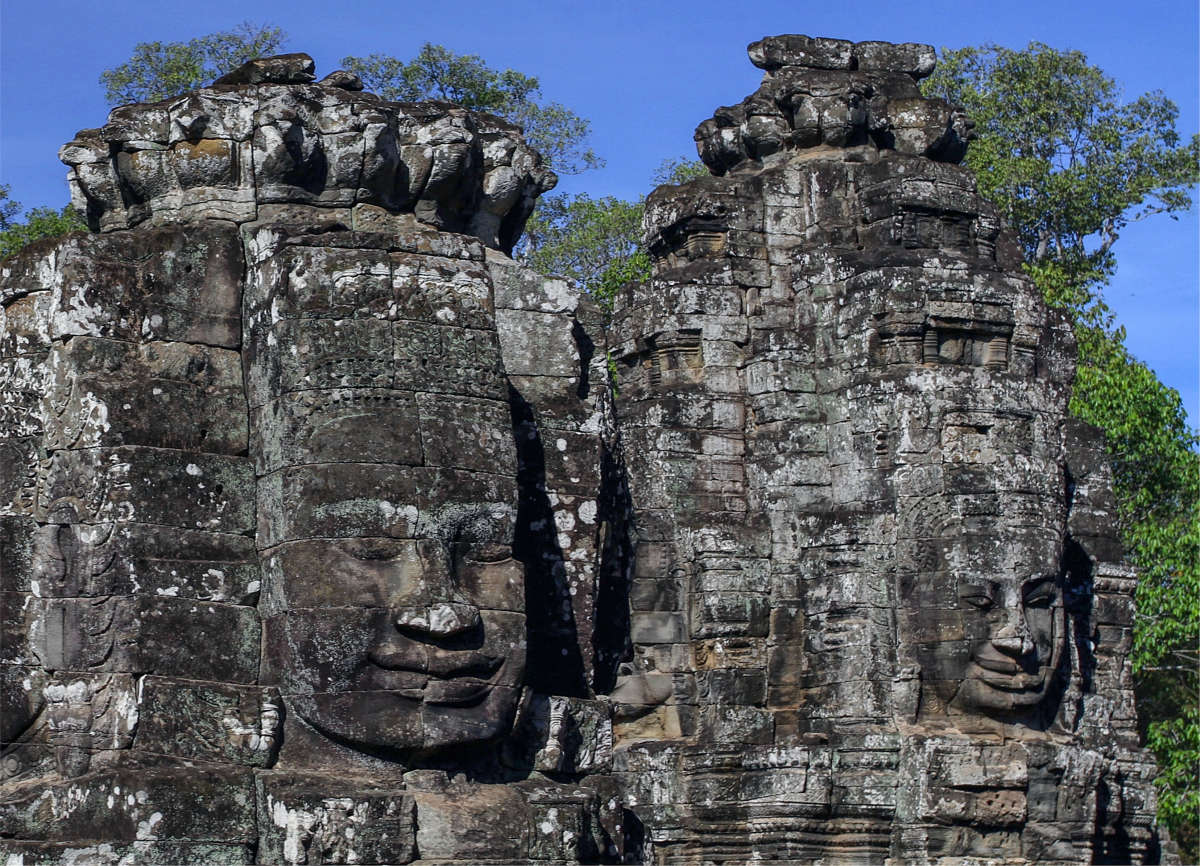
x: 367, y: 552
x: 979, y: 595
x: 1042, y: 596
x: 488, y: 552
x: 979, y: 600
x: 481, y: 538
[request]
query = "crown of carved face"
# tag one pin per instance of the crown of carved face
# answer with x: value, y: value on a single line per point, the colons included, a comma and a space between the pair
x: 267, y: 134
x: 834, y: 93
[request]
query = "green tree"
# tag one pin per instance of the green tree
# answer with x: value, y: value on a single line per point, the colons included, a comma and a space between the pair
x: 38, y: 223
x: 1070, y: 165
x: 8, y: 207
x: 160, y: 70
x: 555, y: 131
x: 1156, y: 481
x: 584, y: 239
x: 1063, y: 158
x: 596, y: 243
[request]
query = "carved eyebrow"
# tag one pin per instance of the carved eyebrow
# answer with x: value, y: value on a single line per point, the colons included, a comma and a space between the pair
x: 370, y: 548
x: 978, y: 587
x: 1039, y: 585
x: 451, y: 526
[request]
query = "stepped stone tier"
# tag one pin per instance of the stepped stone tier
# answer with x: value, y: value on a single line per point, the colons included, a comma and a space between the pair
x: 328, y: 535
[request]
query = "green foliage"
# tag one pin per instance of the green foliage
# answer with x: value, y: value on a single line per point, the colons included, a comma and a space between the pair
x: 596, y: 242
x: 1176, y: 743
x: 679, y: 170
x: 593, y: 242
x: 8, y: 207
x: 1069, y: 165
x: 1156, y: 479
x: 1068, y: 287
x: 633, y: 269
x: 41, y: 222
x: 160, y: 70
x: 438, y: 73
x: 1065, y: 160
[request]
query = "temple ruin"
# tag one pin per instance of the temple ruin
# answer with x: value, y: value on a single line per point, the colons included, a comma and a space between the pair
x: 329, y: 533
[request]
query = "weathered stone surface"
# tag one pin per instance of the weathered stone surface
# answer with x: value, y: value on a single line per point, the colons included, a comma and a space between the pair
x: 136, y: 634
x: 263, y: 134
x: 107, y: 392
x: 300, y: 823
x: 281, y: 69
x: 78, y: 560
x: 135, y: 484
x: 833, y: 93
x: 209, y: 721
x: 844, y: 417
x: 146, y: 805
x: 324, y: 540
x: 166, y: 284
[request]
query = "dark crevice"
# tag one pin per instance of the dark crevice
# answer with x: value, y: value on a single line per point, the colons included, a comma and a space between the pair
x: 1111, y: 843
x: 555, y: 663
x: 587, y: 350
x: 1078, y: 594
x: 611, y: 641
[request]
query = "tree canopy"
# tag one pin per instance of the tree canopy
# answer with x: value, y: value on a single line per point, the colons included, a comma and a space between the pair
x: 1156, y: 482
x: 8, y: 207
x: 436, y: 72
x: 38, y: 223
x: 1063, y: 158
x: 596, y: 243
x: 160, y: 70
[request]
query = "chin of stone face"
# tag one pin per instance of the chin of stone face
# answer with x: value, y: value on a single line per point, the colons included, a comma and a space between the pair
x: 329, y: 533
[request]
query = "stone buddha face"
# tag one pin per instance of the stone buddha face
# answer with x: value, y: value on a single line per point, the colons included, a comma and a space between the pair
x: 1015, y: 629
x: 1005, y: 628
x: 405, y: 645
x: 394, y: 612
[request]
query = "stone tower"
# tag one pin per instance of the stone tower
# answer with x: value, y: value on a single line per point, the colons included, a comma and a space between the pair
x: 265, y: 597
x: 877, y: 608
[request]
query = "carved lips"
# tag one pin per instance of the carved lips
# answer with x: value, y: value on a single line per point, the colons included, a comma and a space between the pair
x: 446, y: 678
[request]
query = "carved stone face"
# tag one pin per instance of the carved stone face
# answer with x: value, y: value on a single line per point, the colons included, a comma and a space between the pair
x: 1015, y: 629
x: 1003, y: 632
x: 394, y: 613
x: 410, y: 644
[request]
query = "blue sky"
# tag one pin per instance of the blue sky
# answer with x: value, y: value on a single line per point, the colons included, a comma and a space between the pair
x: 645, y: 74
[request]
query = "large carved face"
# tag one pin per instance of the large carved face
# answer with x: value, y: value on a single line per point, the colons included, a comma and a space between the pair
x: 410, y: 644
x: 394, y: 611
x: 1015, y: 631
x: 971, y: 389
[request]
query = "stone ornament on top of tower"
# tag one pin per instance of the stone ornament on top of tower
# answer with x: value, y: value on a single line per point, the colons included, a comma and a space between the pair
x: 267, y: 134
x: 822, y: 93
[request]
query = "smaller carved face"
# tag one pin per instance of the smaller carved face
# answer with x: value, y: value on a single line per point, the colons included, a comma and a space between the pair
x: 987, y: 620
x: 1015, y: 631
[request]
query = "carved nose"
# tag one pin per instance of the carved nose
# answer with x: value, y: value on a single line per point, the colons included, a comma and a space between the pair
x: 442, y: 619
x: 1014, y: 639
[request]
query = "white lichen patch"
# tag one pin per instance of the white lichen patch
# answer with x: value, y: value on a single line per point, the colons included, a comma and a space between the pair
x: 145, y: 829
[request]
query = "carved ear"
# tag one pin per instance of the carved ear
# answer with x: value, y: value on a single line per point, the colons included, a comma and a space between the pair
x: 641, y: 690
